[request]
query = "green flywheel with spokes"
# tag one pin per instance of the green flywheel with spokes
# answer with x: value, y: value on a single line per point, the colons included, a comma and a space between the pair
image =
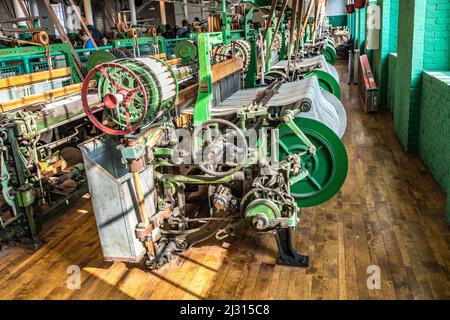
x: 127, y: 80
x: 330, y: 54
x: 327, y: 167
x: 326, y: 82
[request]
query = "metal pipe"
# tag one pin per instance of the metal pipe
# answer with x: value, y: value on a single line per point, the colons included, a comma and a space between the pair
x: 271, y: 15
x: 197, y: 179
x: 185, y: 10
x: 291, y: 33
x: 25, y: 58
x: 19, y: 13
x: 133, y: 14
x: 88, y: 12
x: 81, y: 50
x: 299, y: 31
x: 202, y: 9
x: 35, y: 9
x: 162, y: 12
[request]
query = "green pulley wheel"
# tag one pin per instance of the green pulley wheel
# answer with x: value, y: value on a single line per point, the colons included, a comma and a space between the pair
x: 272, y: 76
x: 98, y: 57
x: 130, y: 73
x: 186, y: 50
x: 327, y: 167
x: 326, y: 82
x: 331, y: 42
x: 330, y: 54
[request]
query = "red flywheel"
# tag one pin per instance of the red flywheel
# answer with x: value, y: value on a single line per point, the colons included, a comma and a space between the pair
x: 118, y: 101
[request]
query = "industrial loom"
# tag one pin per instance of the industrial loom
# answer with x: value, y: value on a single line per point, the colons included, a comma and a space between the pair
x: 190, y: 152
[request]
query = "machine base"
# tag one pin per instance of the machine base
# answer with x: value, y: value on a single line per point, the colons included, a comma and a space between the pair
x: 286, y: 253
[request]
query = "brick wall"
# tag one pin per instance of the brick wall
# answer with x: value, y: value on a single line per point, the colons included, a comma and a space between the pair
x: 356, y: 27
x: 393, y: 24
x: 434, y: 135
x: 351, y: 23
x: 423, y: 44
x: 361, y: 27
x: 404, y: 63
x: 437, y: 35
x: 392, y: 64
x: 388, y: 44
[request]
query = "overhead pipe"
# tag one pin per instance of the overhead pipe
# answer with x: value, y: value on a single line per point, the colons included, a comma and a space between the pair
x: 133, y: 14
x: 88, y: 12
x: 185, y: 10
x: 34, y: 9
x: 162, y: 12
x: 19, y: 13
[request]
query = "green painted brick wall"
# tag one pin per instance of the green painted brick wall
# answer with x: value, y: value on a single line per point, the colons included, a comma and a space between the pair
x: 423, y: 44
x: 434, y: 135
x: 392, y: 64
x: 410, y: 61
x: 356, y: 27
x: 351, y: 23
x: 359, y: 25
x: 403, y: 81
x: 393, y: 23
x: 437, y: 35
x: 338, y: 21
x: 388, y: 44
x: 361, y: 28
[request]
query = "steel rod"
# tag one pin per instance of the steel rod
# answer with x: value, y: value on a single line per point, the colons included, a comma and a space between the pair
x: 291, y: 33
x: 280, y: 14
x: 271, y: 14
x: 299, y: 31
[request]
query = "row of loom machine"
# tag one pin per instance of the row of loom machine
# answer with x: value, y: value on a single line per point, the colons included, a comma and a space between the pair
x: 242, y: 126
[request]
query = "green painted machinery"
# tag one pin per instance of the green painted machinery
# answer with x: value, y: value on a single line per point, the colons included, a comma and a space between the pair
x: 186, y: 51
x: 330, y: 53
x: 141, y: 46
x: 327, y: 167
x: 41, y: 171
x: 189, y: 168
x: 30, y: 59
x: 326, y: 82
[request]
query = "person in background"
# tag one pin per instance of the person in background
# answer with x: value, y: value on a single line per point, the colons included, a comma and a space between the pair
x: 87, y: 43
x: 168, y: 32
x: 184, y: 31
x: 99, y: 38
x: 196, y: 25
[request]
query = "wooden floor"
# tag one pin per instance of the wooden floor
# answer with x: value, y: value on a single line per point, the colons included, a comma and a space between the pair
x: 389, y: 213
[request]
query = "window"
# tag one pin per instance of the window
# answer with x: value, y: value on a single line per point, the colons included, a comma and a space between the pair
x: 59, y: 11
